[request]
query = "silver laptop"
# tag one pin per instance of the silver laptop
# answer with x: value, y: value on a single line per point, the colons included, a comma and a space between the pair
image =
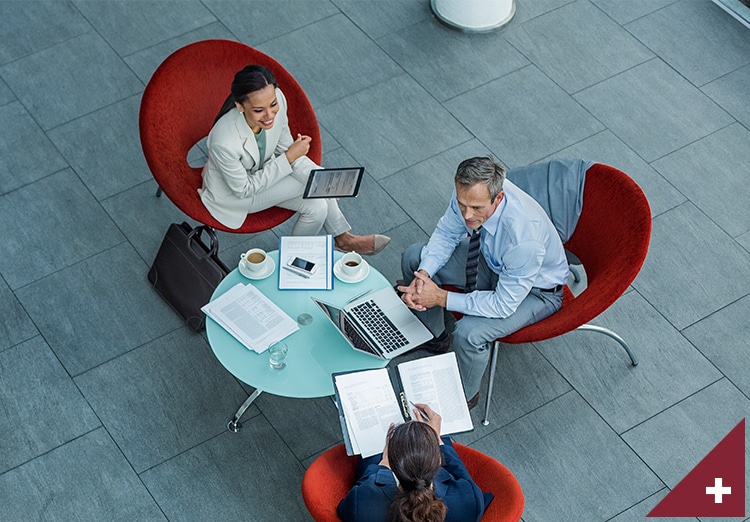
x: 379, y: 324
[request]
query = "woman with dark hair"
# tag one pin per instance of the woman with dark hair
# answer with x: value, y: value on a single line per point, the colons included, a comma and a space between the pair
x: 419, y: 477
x: 253, y: 164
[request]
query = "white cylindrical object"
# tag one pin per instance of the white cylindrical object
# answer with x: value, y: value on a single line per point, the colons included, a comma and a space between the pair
x: 474, y: 16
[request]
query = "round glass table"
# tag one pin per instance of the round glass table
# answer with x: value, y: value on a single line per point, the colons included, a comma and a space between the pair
x: 316, y: 351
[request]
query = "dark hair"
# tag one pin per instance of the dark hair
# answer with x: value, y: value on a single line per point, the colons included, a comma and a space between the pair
x: 483, y: 169
x: 414, y: 457
x: 250, y: 79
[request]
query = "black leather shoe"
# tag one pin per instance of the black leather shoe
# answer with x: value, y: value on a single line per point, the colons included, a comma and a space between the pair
x: 440, y: 344
x: 471, y: 403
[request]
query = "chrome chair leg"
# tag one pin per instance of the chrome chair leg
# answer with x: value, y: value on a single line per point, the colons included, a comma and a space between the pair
x: 585, y: 327
x: 234, y: 425
x: 493, y: 367
x: 613, y: 335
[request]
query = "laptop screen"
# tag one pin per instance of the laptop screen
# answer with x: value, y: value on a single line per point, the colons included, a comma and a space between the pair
x: 346, y: 327
x: 331, y: 311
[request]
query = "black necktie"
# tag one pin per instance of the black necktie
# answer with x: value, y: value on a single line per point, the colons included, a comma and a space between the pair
x: 472, y: 262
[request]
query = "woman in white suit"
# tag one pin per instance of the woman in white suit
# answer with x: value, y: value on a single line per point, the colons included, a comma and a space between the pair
x: 253, y: 164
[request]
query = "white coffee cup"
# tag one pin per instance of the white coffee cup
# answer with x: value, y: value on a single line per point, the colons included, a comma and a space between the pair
x: 254, y: 260
x: 351, y: 263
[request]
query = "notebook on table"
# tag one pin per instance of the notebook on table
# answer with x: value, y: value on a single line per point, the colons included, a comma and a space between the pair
x: 379, y: 324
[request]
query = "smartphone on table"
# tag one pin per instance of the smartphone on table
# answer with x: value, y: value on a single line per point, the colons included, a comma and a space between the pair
x: 301, y: 266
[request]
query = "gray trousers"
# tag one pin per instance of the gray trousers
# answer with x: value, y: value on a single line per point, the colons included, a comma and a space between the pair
x: 473, y: 334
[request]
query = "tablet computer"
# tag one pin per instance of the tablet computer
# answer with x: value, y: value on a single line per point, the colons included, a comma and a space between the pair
x: 334, y: 183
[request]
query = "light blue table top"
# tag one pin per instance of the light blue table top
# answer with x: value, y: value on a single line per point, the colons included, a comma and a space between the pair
x: 316, y: 351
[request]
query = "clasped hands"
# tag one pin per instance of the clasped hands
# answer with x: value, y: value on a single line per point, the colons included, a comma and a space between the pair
x: 423, y: 293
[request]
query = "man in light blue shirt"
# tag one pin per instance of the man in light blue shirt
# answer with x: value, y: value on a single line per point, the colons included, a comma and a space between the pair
x: 522, y: 268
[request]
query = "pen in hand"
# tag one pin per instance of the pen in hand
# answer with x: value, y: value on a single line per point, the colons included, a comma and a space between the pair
x: 421, y: 413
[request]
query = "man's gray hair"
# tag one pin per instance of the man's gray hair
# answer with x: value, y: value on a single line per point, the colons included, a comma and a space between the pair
x: 481, y: 169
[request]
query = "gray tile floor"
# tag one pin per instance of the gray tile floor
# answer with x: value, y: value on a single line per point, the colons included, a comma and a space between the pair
x: 111, y: 409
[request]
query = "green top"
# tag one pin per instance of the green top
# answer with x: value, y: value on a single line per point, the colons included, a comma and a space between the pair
x: 260, y: 139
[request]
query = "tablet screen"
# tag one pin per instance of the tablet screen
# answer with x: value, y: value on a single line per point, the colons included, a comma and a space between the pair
x: 334, y: 183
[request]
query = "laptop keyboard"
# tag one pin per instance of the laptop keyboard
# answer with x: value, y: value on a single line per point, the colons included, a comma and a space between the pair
x: 379, y: 326
x: 356, y: 338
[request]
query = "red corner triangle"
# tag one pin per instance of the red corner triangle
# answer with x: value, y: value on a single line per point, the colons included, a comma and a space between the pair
x: 699, y: 493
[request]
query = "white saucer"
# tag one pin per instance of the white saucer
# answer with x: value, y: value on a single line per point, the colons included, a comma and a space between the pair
x: 268, y: 269
x: 364, y: 271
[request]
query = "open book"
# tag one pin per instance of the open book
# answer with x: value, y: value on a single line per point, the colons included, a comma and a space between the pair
x: 368, y: 401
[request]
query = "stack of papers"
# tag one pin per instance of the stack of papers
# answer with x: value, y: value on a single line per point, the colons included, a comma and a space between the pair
x: 251, y: 317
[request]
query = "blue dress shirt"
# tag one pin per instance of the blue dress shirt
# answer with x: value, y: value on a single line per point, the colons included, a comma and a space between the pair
x: 519, y: 243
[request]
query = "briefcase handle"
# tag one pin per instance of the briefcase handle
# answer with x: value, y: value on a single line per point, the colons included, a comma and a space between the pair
x: 195, y: 237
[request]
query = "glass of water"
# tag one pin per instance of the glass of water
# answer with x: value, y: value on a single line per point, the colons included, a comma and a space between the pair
x: 277, y: 355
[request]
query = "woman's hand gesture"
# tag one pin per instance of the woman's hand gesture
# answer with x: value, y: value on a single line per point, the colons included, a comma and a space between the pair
x: 299, y: 148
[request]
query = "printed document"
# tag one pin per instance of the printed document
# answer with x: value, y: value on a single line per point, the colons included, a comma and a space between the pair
x: 435, y: 381
x: 370, y: 406
x: 251, y: 317
x: 369, y: 402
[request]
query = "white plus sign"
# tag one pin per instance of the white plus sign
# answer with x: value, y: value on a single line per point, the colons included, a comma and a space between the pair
x: 718, y: 490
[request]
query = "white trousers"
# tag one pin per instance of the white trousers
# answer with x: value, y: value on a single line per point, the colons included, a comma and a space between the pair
x: 314, y: 214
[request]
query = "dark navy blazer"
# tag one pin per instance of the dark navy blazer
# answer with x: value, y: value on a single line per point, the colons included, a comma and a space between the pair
x: 375, y: 489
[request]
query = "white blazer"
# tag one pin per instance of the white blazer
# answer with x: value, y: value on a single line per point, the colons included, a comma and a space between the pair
x: 235, y: 172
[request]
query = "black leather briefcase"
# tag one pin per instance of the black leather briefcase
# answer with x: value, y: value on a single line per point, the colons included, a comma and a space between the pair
x: 186, y: 271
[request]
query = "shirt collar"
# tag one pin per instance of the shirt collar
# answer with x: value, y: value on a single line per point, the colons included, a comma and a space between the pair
x: 490, y: 226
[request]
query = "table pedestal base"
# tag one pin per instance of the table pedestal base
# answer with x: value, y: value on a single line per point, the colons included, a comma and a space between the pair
x: 474, y: 16
x: 234, y: 425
